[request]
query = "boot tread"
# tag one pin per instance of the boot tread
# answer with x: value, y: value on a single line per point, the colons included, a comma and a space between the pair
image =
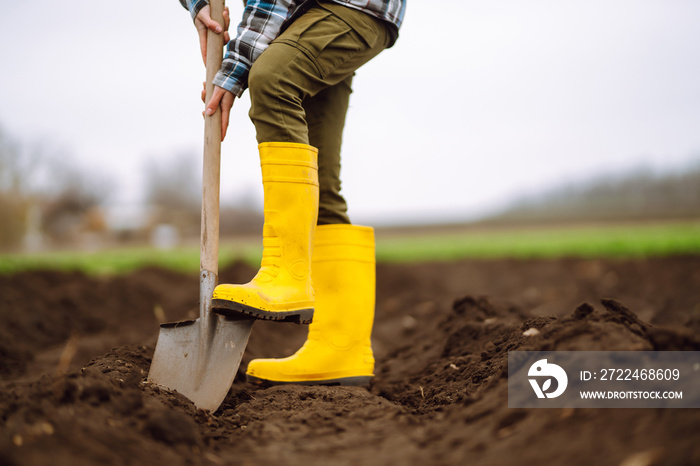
x: 231, y: 308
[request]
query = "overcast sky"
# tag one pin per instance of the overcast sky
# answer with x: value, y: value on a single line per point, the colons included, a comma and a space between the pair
x: 490, y: 100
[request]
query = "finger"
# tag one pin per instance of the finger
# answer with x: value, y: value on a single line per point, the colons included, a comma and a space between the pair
x: 213, y: 26
x: 204, y: 92
x: 227, y: 19
x: 227, y: 23
x: 226, y: 104
x: 214, y: 101
x: 224, y: 124
x: 203, y: 44
x: 227, y: 100
x: 204, y: 16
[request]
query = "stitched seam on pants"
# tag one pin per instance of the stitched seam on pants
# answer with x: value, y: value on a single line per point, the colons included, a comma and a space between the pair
x: 307, y: 53
x: 320, y: 71
x: 347, y: 57
x: 279, y: 108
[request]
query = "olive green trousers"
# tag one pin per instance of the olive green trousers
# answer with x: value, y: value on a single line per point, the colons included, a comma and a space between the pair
x: 300, y: 88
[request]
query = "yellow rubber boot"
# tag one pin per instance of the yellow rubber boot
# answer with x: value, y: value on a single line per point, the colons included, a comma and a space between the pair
x: 282, y: 288
x: 338, y: 349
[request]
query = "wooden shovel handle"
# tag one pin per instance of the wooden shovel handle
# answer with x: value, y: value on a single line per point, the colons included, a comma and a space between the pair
x: 209, y: 252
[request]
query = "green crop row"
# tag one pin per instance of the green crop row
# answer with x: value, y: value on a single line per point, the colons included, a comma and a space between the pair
x: 635, y: 240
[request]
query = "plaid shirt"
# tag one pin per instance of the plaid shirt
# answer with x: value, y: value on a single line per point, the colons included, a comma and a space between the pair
x: 263, y: 21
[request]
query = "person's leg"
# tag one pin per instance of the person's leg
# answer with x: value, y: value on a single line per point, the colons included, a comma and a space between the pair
x: 338, y: 349
x: 325, y: 116
x: 318, y: 51
x: 282, y: 288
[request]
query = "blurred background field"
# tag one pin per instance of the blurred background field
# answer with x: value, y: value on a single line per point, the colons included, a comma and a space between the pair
x: 61, y: 218
x: 542, y: 241
x: 407, y: 244
x: 56, y: 215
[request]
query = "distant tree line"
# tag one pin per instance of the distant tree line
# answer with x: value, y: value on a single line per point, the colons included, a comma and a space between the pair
x: 47, y: 200
x: 173, y: 188
x: 641, y: 194
x: 42, y: 195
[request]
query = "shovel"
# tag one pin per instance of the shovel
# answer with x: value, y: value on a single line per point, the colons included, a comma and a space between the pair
x: 199, y: 358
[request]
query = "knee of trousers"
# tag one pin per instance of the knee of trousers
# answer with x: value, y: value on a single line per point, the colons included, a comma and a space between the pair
x: 261, y: 80
x: 276, y: 86
x: 271, y: 79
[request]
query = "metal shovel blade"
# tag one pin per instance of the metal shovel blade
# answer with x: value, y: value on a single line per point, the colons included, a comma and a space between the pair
x: 200, y: 361
x: 200, y: 358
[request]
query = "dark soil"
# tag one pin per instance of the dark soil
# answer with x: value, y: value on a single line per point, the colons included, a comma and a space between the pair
x: 75, y: 351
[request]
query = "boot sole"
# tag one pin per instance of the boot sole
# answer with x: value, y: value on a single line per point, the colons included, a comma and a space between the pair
x: 358, y: 381
x: 232, y: 309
